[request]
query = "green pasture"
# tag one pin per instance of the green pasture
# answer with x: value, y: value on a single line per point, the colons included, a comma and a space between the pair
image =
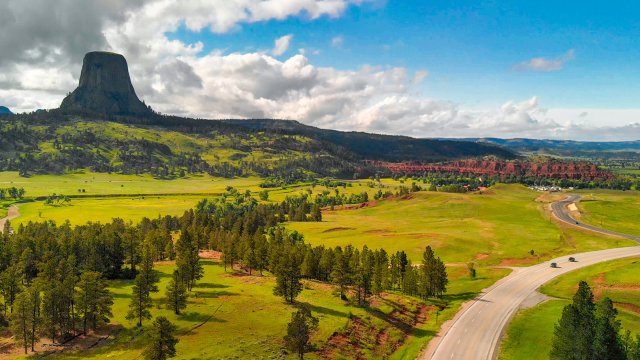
x: 81, y: 211
x: 530, y: 333
x: 117, y: 184
x: 500, y: 225
x: 233, y: 315
x: 615, y: 210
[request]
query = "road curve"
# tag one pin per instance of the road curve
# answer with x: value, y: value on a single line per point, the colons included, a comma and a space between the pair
x: 475, y: 332
x: 11, y: 214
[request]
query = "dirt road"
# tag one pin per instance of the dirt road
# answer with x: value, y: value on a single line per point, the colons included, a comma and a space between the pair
x: 11, y: 214
x: 475, y: 332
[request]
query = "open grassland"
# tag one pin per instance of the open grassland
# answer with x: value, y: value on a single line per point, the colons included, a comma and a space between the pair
x: 81, y: 211
x: 234, y: 315
x: 615, y: 210
x: 106, y: 196
x: 530, y: 333
x: 499, y: 226
x: 116, y: 184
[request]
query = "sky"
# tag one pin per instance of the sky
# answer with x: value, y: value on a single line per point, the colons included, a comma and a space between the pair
x: 465, y: 68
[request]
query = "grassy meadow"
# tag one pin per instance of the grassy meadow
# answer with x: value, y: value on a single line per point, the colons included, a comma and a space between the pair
x: 499, y: 226
x: 234, y: 315
x: 530, y: 333
x: 615, y: 210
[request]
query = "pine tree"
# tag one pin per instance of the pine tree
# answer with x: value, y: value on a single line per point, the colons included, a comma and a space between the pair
x: 574, y: 333
x: 162, y: 340
x: 299, y: 331
x: 23, y: 319
x: 607, y: 344
x: 288, y: 283
x: 93, y: 300
x: 144, y: 285
x: 188, y: 259
x: 176, y: 294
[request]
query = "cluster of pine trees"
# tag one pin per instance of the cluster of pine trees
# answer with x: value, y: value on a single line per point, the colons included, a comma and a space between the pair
x: 589, y: 330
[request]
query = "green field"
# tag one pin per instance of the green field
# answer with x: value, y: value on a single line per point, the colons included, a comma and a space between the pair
x: 81, y: 211
x: 529, y: 334
x: 116, y: 184
x: 233, y: 315
x: 615, y: 210
x: 499, y: 226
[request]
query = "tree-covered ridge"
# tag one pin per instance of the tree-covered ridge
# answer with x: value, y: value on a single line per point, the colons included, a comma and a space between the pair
x: 101, y: 146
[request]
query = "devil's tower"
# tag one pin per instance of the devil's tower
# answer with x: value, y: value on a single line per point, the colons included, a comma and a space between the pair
x: 105, y: 88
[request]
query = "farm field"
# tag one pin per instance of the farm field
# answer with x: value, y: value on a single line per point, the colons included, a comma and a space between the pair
x: 234, y: 315
x: 614, y: 210
x: 530, y: 333
x: 500, y: 226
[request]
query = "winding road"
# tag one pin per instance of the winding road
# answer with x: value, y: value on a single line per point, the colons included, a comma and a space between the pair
x: 11, y: 214
x: 475, y: 332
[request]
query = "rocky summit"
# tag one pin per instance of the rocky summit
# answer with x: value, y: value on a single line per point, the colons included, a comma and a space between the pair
x: 105, y: 88
x: 5, y: 111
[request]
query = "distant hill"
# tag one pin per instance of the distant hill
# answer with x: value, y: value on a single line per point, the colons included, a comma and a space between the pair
x: 383, y: 147
x: 5, y: 111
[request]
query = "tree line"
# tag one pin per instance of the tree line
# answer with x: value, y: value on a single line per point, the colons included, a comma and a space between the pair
x: 589, y: 330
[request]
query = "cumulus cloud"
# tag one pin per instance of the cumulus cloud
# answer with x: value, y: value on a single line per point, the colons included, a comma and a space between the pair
x: 181, y: 78
x: 545, y: 64
x: 281, y: 45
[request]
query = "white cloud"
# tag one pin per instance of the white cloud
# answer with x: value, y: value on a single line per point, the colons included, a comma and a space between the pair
x: 544, y: 64
x: 180, y: 78
x: 337, y: 41
x: 281, y: 45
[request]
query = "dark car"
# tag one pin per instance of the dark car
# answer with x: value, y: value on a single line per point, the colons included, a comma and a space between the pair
x: 554, y: 265
x: 572, y: 259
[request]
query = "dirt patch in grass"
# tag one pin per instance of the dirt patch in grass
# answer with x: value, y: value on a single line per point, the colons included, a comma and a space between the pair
x: 519, y: 262
x: 44, y: 347
x: 377, y: 333
x: 482, y: 256
x: 631, y: 307
x: 379, y: 231
x: 210, y: 254
x: 338, y: 229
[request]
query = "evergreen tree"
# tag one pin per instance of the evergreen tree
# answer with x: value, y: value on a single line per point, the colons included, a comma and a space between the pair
x: 144, y: 285
x: 176, y: 293
x: 287, y: 273
x: 188, y: 259
x: 299, y: 331
x: 162, y: 340
x: 574, y: 333
x: 607, y: 344
x: 23, y: 319
x: 93, y: 300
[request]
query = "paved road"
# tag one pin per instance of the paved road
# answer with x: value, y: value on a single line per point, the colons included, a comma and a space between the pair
x: 476, y: 330
x: 11, y: 214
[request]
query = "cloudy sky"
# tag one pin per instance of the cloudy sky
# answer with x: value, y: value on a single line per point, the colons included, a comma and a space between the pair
x: 424, y: 68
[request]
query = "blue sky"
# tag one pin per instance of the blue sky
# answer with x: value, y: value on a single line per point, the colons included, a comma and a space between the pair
x: 470, y: 48
x: 541, y: 69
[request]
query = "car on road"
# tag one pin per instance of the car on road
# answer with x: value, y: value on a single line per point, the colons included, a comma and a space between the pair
x: 572, y: 259
x: 554, y: 265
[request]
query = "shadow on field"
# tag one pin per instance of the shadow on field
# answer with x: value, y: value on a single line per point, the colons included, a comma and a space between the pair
x: 321, y: 310
x: 461, y: 296
x: 213, y: 294
x: 210, y: 286
x: 200, y: 317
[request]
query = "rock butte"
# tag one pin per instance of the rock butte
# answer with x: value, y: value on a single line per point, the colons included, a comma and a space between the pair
x: 105, y: 88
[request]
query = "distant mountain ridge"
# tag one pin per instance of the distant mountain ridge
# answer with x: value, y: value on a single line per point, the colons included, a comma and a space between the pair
x: 5, y: 111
